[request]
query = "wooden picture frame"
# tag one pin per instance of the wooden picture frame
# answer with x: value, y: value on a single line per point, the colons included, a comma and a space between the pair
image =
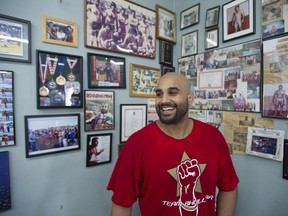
x: 59, y: 31
x: 99, y: 149
x: 211, y: 38
x: 133, y: 118
x: 189, y: 44
x: 165, y: 52
x: 212, y: 17
x: 190, y: 16
x: 15, y: 47
x: 238, y: 19
x: 50, y: 134
x: 99, y: 110
x: 143, y: 80
x: 166, y: 24
x: 59, y: 80
x: 106, y: 71
x: 7, y: 110
x: 134, y: 20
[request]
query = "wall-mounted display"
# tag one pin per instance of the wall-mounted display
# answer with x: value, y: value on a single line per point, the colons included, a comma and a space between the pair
x: 189, y: 16
x: 275, y: 78
x: 165, y: 52
x: 211, y: 38
x: 266, y: 143
x: 106, y: 71
x: 166, y: 69
x: 274, y: 18
x: 15, y: 43
x: 116, y: 25
x: 7, y: 120
x: 212, y: 17
x: 49, y: 134
x: 59, y: 80
x: 285, y: 160
x: 227, y: 79
x: 166, y: 24
x: 238, y: 19
x: 5, y: 198
x: 99, y: 148
x: 189, y: 43
x: 143, y: 80
x: 59, y: 31
x: 133, y: 118
x: 99, y: 110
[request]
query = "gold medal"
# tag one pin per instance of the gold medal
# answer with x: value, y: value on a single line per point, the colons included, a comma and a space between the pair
x: 43, y: 91
x: 60, y: 80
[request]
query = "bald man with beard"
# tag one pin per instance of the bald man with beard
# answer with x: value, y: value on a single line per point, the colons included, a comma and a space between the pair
x: 174, y: 165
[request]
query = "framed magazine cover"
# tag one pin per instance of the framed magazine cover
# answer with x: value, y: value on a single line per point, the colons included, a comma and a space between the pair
x: 16, y: 43
x: 106, y: 71
x: 99, y: 149
x: 7, y: 111
x: 50, y: 134
x: 133, y: 118
x: 99, y: 110
x: 59, y: 80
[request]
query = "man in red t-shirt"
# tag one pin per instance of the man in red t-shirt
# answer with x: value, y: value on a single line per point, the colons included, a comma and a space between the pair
x: 174, y: 165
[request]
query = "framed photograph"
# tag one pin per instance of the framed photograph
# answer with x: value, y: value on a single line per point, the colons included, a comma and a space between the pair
x: 106, y: 71
x: 212, y: 17
x: 266, y: 143
x: 189, y: 16
x: 143, y: 80
x: 5, y: 198
x: 59, y: 80
x: 59, y: 31
x: 7, y: 117
x: 166, y: 24
x: 99, y: 110
x: 285, y: 160
x: 133, y: 118
x: 165, y: 52
x: 211, y: 38
x: 189, y: 44
x: 167, y: 69
x: 275, y: 78
x: 15, y: 43
x: 125, y: 22
x: 238, y: 19
x: 99, y: 148
x: 49, y: 134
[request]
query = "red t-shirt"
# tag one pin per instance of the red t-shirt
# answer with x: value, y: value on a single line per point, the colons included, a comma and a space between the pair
x: 170, y: 176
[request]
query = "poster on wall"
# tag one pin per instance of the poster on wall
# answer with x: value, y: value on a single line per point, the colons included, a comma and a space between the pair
x: 226, y: 79
x: 5, y: 194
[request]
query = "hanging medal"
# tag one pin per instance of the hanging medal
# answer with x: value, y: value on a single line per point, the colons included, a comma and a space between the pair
x: 43, y: 90
x: 52, y: 68
x: 71, y: 62
x: 60, y: 80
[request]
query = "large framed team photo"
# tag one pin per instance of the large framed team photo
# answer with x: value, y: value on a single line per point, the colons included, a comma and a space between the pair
x: 116, y: 25
x: 15, y: 43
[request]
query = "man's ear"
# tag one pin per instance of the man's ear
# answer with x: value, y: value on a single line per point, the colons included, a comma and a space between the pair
x: 190, y: 98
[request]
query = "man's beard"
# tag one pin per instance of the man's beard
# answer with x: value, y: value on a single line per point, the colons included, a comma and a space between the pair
x: 181, y: 111
x: 103, y: 111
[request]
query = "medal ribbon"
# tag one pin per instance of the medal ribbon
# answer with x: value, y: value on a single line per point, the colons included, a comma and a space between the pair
x: 52, y: 69
x: 43, y: 69
x: 71, y: 63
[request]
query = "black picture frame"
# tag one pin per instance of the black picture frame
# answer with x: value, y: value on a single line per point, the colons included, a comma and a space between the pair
x: 167, y: 69
x: 15, y: 48
x: 99, y: 110
x: 50, y: 134
x: 211, y: 38
x: 99, y: 149
x: 105, y: 71
x: 285, y: 159
x: 212, y: 17
x: 190, y: 16
x: 189, y: 44
x: 7, y: 109
x: 165, y: 52
x: 133, y: 117
x: 232, y: 28
x: 59, y: 80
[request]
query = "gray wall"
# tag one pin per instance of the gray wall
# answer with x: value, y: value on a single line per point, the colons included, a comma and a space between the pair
x: 60, y: 184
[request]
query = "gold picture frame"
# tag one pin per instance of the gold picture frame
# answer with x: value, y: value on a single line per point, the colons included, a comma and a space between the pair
x: 143, y: 80
x: 59, y: 31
